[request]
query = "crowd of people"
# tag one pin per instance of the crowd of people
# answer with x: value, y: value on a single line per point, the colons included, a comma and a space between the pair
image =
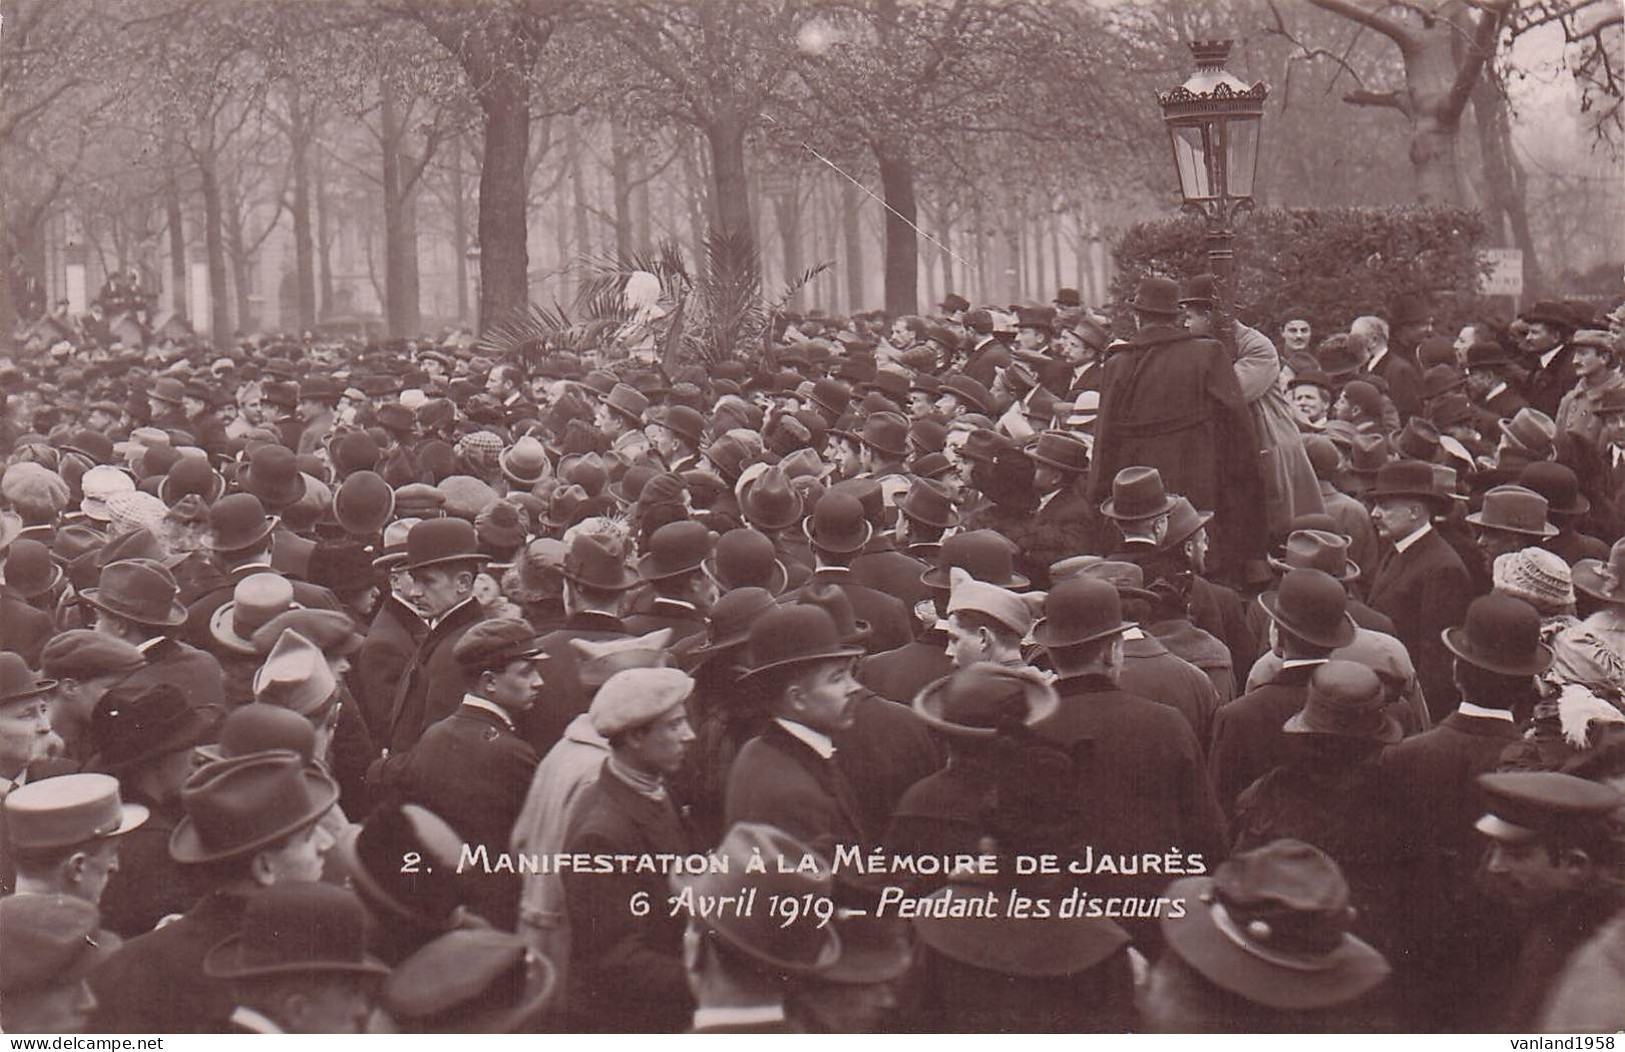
x: 991, y: 670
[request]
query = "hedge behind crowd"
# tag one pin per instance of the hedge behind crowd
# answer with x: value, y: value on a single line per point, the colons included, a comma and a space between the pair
x: 1339, y: 263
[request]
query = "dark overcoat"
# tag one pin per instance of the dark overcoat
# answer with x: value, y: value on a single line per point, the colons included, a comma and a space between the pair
x: 1424, y: 590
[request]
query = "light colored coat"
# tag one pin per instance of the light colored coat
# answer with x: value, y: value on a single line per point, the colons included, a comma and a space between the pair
x: 1290, y: 486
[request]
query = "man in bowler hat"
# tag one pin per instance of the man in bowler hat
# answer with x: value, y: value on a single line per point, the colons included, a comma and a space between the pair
x: 137, y: 601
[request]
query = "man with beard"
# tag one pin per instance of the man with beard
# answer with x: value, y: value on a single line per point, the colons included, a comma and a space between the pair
x: 472, y: 768
x: 1552, y: 847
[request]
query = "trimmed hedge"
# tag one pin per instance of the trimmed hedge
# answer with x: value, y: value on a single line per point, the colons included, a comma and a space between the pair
x: 1339, y: 263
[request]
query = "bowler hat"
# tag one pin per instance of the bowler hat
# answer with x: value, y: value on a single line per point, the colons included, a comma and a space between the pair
x: 1312, y: 606
x: 838, y: 524
x: 1272, y: 926
x: 364, y: 504
x: 1137, y: 493
x: 18, y: 682
x: 769, y: 502
x: 1342, y: 356
x: 138, y: 590
x: 984, y: 554
x: 191, y: 475
x: 1502, y: 635
x: 1603, y: 580
x: 1062, y: 450
x: 30, y: 571
x: 237, y: 806
x: 1199, y: 291
x: 833, y: 600
x: 1549, y: 312
x: 272, y: 475
x: 595, y: 561
x: 832, y: 397
x: 794, y: 635
x: 428, y: 896
x: 1317, y: 550
x: 1079, y: 611
x: 1558, y: 484
x: 434, y: 542
x: 1345, y: 700
x: 970, y: 392
x: 978, y: 701
x: 396, y: 418
x: 255, y: 600
x: 929, y: 503
x: 135, y: 723
x: 1418, y: 440
x: 1514, y: 509
x: 676, y: 548
x: 886, y: 432
x: 1183, y: 522
x: 53, y: 814
x: 952, y: 303
x: 1156, y: 295
x: 731, y: 618
x: 238, y: 523
x: 745, y: 557
x: 793, y: 870
x: 471, y: 981
x: 167, y: 389
x: 261, y: 726
x: 296, y: 928
x: 1486, y: 354
x: 1451, y: 409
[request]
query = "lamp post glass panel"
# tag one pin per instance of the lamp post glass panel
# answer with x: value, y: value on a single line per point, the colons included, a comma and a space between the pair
x: 1213, y: 122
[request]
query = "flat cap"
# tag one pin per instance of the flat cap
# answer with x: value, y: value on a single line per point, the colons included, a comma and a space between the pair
x: 636, y: 696
x: 1530, y: 805
x: 82, y: 653
x: 45, y: 940
x: 495, y: 643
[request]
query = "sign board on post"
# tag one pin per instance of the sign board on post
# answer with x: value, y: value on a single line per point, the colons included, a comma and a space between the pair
x: 1506, y: 272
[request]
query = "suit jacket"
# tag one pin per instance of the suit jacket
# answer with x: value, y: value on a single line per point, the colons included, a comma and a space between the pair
x: 1433, y: 774
x: 155, y: 984
x: 1425, y: 590
x: 1354, y: 522
x: 471, y: 770
x: 626, y: 971
x: 885, y: 569
x: 23, y: 629
x: 434, y: 684
x: 1247, y: 739
x: 1070, y: 524
x: 778, y: 779
x: 198, y: 674
x: 658, y: 612
x: 291, y: 553
x: 563, y: 697
x: 1403, y: 379
x: 985, y: 361
x: 1140, y: 769
x: 1547, y: 386
x: 899, y: 674
x: 1151, y: 671
x: 148, y: 885
x: 890, y: 623
x: 396, y: 633
x: 887, y: 749
x: 201, y: 609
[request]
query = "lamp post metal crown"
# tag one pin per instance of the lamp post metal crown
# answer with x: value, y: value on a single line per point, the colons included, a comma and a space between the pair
x: 1213, y: 123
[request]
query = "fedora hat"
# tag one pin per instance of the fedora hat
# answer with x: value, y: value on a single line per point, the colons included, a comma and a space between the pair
x: 1317, y: 550
x: 984, y: 554
x: 952, y: 303
x: 167, y: 389
x: 238, y: 806
x: 677, y: 548
x: 730, y: 620
x: 296, y: 928
x: 272, y: 475
x: 929, y: 503
x: 595, y: 561
x: 769, y: 502
x: 429, y: 896
x: 832, y: 397
x: 746, y: 558
x: 885, y: 432
x: 296, y: 676
x: 1345, y: 700
x: 1137, y: 493
x: 1312, y: 606
x: 1079, y: 611
x: 1558, y: 484
x: 260, y: 726
x: 1502, y: 635
x: 1603, y: 580
x: 794, y: 635
x: 53, y: 814
x: 133, y: 724
x: 471, y: 981
x: 238, y: 523
x: 255, y: 600
x: 1441, y: 379
x: 1485, y: 354
x: 681, y: 420
x: 1183, y: 522
x: 1531, y: 431
x: 1407, y: 478
x: 1417, y: 440
x: 364, y: 504
x: 139, y: 590
x: 1514, y: 509
x: 524, y: 463
x: 564, y: 506
x: 1062, y: 450
x: 971, y: 392
x: 434, y: 542
x: 983, y: 446
x: 976, y: 702
x: 838, y: 524
x: 794, y: 948
x: 833, y: 600
x: 1272, y: 925
x: 1156, y: 295
x: 191, y: 475
x: 1128, y: 578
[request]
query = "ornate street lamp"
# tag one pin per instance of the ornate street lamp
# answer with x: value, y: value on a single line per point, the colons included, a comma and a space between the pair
x: 1213, y: 122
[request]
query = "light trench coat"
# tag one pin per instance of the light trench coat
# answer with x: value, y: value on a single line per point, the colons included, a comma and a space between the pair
x: 1290, y: 486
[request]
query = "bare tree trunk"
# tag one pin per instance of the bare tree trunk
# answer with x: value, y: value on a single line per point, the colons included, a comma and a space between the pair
x: 213, y: 239
x: 620, y: 172
x: 177, y: 245
x: 730, y: 189
x: 459, y: 226
x: 902, y: 247
x: 504, y: 258
x: 401, y: 318
x: 852, y: 238
x: 1504, y: 176
x: 300, y: 133
x: 946, y: 232
x: 237, y: 255
x: 324, y: 241
x: 643, y: 212
x: 787, y: 215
